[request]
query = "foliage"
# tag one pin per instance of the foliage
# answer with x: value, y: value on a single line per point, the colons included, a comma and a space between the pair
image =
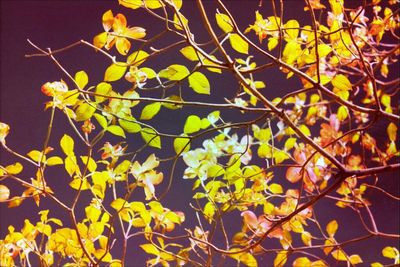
x: 266, y: 169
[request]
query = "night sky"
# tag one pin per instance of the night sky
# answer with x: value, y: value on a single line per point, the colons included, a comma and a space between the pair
x: 56, y: 24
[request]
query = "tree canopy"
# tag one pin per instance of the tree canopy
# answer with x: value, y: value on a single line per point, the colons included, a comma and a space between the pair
x: 277, y: 135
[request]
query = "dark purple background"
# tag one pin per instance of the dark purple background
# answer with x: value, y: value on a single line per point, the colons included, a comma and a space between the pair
x: 58, y: 23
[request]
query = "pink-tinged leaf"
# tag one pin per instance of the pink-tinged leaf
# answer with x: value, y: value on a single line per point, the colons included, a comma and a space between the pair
x: 293, y: 174
x: 250, y: 219
x: 107, y: 20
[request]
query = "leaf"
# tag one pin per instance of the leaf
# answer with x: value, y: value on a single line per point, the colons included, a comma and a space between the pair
x: 81, y: 79
x: 150, y: 249
x: 174, y: 72
x: 130, y: 127
x: 280, y: 258
x: 390, y: 252
x: 355, y: 259
x: 150, y: 111
x: 67, y: 145
x: 181, y: 144
x: 4, y: 193
x: 14, y: 169
x: 52, y: 161
x: 101, y: 120
x: 238, y: 43
x: 224, y: 22
x: 294, y: 29
x: 341, y: 82
x: 199, y: 83
x: 190, y: 53
x: 137, y: 58
x: 114, y: 72
x: 306, y: 238
x: 4, y: 130
x: 392, y: 131
x: 177, y: 22
x: 91, y: 164
x: 35, y: 155
x: 100, y: 40
x: 84, y: 112
x: 152, y: 4
x: 151, y: 137
x: 116, y: 130
x: 339, y: 255
x: 102, y: 88
x: 80, y: 184
x: 342, y: 113
x: 134, y: 4
x: 192, y: 124
x: 331, y: 228
x: 275, y: 188
x: 302, y: 262
x: 272, y: 43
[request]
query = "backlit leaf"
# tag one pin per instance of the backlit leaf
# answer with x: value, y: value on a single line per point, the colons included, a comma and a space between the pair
x: 339, y: 255
x: 67, y: 144
x: 52, y: 161
x: 137, y: 57
x: 292, y: 29
x: 390, y: 252
x: 84, y: 112
x: 130, y: 127
x: 355, y: 259
x: 199, y: 83
x: 332, y: 227
x: 151, y: 137
x: 192, y: 124
x: 15, y: 168
x: 224, y: 22
x: 392, y: 131
x: 114, y: 72
x: 181, y: 144
x: 150, y: 249
x: 341, y: 82
x: 174, y: 72
x: 116, y: 130
x: 4, y: 193
x: 238, y: 43
x: 101, y: 120
x: 150, y: 111
x: 81, y: 79
x: 103, y: 89
x: 190, y: 53
x: 280, y: 258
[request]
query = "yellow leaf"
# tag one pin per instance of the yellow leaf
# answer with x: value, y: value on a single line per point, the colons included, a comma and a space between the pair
x: 152, y: 4
x: 355, y: 259
x: 92, y: 213
x: 114, y: 72
x: 67, y: 145
x: 302, y: 262
x: 239, y: 44
x: 103, y: 89
x: 150, y: 249
x: 14, y: 168
x: 192, y: 124
x: 100, y: 40
x: 376, y: 264
x: 81, y: 184
x: 275, y: 188
x: 177, y: 23
x: 81, y: 79
x: 181, y: 145
x: 174, y: 72
x: 341, y: 82
x: 91, y: 164
x: 224, y: 22
x: 280, y: 258
x: 331, y: 228
x: 304, y: 129
x: 150, y: 111
x: 52, y: 161
x: 134, y: 4
x: 328, y: 248
x: 190, y: 53
x: 199, y: 83
x: 306, y: 238
x: 342, y: 113
x: 151, y: 137
x: 137, y: 58
x: 4, y: 129
x: 84, y: 112
x: 290, y: 142
x: 116, y: 130
x: 130, y: 127
x: 339, y: 255
x: 392, y: 131
x: 390, y: 252
x: 272, y: 43
x: 292, y: 29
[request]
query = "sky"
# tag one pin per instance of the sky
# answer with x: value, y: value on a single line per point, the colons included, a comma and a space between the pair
x: 56, y: 24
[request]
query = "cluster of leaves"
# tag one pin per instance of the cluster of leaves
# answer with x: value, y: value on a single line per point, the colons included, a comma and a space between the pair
x: 321, y: 135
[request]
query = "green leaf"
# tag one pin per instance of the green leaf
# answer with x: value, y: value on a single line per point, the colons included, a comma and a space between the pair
x: 84, y: 112
x: 175, y: 72
x: 190, y: 53
x: 238, y: 43
x: 114, y: 72
x: 180, y: 143
x: 151, y: 137
x: 116, y: 130
x: 192, y: 124
x: 224, y: 22
x: 150, y: 111
x: 67, y: 145
x: 102, y: 88
x: 101, y: 120
x: 81, y: 79
x: 130, y: 127
x: 199, y: 83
